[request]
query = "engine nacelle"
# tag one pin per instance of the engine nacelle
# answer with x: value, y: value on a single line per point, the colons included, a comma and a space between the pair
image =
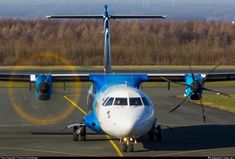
x: 43, y: 86
x: 196, y: 86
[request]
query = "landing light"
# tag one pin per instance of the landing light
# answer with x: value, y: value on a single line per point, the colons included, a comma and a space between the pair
x: 125, y: 139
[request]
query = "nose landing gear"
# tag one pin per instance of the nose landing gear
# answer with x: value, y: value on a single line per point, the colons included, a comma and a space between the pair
x: 128, y: 144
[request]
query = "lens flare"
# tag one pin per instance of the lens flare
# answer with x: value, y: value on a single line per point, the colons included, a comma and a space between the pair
x: 50, y: 58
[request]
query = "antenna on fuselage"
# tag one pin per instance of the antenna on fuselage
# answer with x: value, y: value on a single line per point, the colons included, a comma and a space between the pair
x: 106, y: 17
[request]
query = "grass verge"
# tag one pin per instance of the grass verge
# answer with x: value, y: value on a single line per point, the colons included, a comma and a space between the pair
x: 217, y: 101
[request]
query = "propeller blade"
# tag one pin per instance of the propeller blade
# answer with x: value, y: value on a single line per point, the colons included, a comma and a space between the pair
x: 213, y: 69
x: 203, y: 112
x: 169, y: 85
x: 180, y: 103
x: 191, y: 72
x: 216, y: 92
x: 176, y: 82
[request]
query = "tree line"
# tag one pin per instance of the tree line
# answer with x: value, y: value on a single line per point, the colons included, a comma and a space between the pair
x: 55, y: 42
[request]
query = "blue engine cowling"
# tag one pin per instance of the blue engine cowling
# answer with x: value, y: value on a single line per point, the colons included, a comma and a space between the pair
x: 195, y: 91
x: 43, y: 86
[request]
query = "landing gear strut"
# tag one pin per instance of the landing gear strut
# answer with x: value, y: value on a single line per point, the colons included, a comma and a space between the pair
x: 128, y: 144
x: 79, y: 131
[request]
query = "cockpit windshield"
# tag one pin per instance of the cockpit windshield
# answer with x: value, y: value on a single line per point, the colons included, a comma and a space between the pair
x: 135, y: 101
x: 109, y: 102
x: 105, y: 101
x: 145, y: 101
x: 120, y: 101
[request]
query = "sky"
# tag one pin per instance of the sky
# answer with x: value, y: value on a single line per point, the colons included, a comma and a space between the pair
x: 173, y: 9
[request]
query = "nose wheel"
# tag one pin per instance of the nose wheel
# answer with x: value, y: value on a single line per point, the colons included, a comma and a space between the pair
x: 128, y: 144
x: 128, y: 147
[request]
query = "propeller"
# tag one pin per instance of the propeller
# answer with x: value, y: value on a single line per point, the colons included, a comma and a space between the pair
x: 213, y: 69
x: 203, y: 112
x: 196, y: 88
x: 191, y: 72
x: 181, y: 102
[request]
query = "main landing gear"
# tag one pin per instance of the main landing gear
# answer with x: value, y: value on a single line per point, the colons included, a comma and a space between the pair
x: 155, y: 134
x: 79, y: 132
x: 128, y: 144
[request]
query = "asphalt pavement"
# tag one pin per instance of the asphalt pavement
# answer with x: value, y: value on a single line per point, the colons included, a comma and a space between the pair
x: 30, y: 127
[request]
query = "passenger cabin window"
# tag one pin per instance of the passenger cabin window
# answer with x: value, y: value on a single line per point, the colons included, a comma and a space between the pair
x: 105, y: 101
x: 135, y: 101
x: 120, y: 101
x: 146, y: 102
x: 109, y: 102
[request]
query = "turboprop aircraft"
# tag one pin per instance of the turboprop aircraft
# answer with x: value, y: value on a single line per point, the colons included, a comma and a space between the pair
x: 118, y: 106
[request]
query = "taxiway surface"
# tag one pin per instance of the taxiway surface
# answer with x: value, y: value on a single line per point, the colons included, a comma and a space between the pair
x: 29, y: 127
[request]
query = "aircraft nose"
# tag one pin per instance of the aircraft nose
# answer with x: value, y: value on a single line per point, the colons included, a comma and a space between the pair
x: 128, y: 127
x: 134, y: 121
x: 135, y: 124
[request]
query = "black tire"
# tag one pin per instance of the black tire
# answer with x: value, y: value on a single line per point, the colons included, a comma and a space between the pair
x: 151, y: 134
x: 130, y: 147
x: 159, y: 133
x: 75, y: 135
x: 83, y: 138
x: 124, y: 147
x: 83, y: 133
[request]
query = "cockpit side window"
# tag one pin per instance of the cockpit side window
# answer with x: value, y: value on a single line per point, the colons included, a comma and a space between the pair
x: 146, y: 102
x: 109, y: 102
x: 120, y: 101
x: 135, y: 101
x: 105, y: 101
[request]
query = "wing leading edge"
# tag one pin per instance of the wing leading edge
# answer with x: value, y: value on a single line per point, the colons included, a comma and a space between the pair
x: 181, y: 77
x: 85, y: 77
x: 55, y: 77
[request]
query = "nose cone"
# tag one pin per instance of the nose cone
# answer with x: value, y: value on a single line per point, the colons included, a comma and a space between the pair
x: 127, y: 122
x: 128, y: 126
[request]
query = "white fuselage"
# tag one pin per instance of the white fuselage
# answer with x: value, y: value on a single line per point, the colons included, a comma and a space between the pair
x: 127, y: 119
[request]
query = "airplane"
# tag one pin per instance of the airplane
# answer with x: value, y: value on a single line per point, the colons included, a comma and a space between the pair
x: 118, y: 106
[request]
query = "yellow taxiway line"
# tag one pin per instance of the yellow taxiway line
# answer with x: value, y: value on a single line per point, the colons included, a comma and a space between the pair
x: 74, y: 104
x: 107, y: 136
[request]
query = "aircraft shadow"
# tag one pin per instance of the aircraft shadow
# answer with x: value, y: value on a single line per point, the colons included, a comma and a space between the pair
x: 98, y: 137
x: 193, y: 138
x: 58, y: 133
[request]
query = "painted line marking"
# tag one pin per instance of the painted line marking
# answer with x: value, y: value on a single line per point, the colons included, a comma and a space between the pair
x: 107, y: 136
x: 114, y: 145
x: 43, y: 151
x: 74, y: 104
